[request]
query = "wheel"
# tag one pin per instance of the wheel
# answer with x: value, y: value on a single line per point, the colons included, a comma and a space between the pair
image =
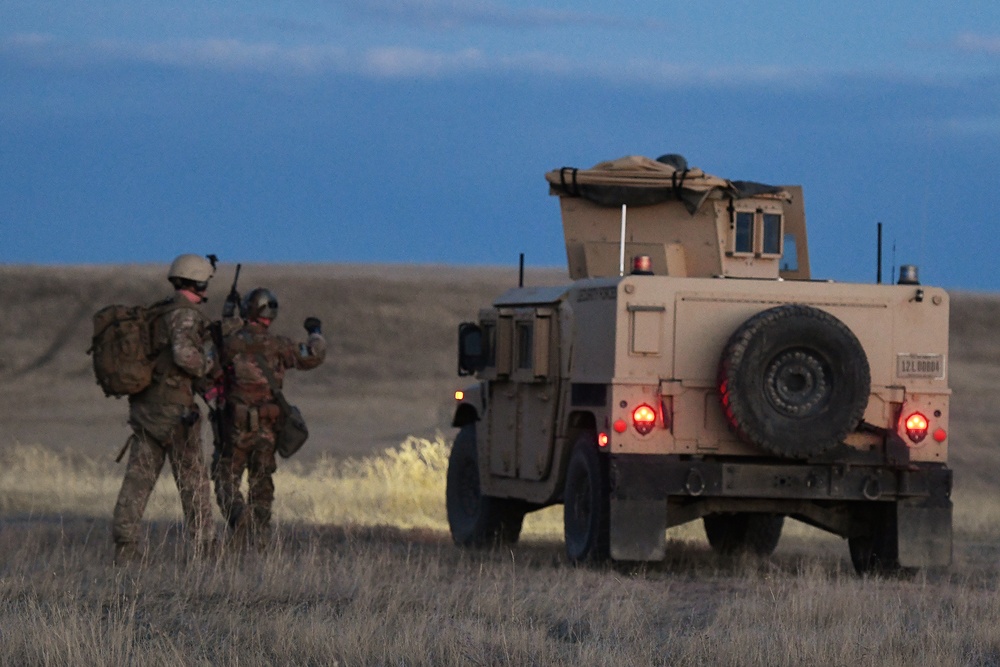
x: 875, y: 546
x: 476, y: 520
x: 794, y: 381
x: 586, y: 507
x: 744, y: 532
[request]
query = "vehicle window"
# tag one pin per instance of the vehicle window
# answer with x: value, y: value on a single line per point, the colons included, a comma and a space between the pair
x: 525, y: 344
x: 772, y: 234
x: 744, y: 232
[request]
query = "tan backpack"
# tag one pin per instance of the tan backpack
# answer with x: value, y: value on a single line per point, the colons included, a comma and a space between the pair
x: 123, y: 350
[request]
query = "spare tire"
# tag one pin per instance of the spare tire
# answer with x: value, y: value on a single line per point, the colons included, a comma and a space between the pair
x: 794, y: 381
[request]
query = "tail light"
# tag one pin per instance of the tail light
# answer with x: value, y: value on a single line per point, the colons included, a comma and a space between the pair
x: 602, y: 440
x: 916, y: 427
x: 644, y: 419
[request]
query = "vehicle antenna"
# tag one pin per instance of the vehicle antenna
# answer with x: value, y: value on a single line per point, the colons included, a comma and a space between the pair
x: 893, y: 272
x: 621, y: 256
x: 520, y: 272
x: 878, y: 273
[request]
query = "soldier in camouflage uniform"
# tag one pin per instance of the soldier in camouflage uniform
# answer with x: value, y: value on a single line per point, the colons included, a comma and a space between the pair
x: 164, y: 418
x: 252, y: 415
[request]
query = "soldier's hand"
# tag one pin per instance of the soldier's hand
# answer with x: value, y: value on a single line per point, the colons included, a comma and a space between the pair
x: 232, y: 304
x: 313, y: 325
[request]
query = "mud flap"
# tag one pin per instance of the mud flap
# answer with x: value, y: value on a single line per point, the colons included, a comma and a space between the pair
x: 923, y: 528
x: 638, y: 529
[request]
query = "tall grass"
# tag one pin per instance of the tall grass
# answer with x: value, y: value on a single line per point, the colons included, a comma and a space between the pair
x: 364, y: 573
x: 403, y: 487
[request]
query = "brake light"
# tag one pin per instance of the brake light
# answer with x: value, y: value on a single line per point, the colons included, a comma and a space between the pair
x: 644, y: 419
x: 916, y: 427
x: 602, y: 440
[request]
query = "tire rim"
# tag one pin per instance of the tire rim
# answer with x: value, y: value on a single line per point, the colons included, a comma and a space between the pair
x: 796, y: 383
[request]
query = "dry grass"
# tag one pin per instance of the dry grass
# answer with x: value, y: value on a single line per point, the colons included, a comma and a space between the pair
x: 364, y: 572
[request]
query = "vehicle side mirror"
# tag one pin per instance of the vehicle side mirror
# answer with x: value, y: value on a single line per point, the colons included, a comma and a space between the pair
x: 471, y: 357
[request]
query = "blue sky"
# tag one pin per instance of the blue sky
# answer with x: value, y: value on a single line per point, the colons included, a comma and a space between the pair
x: 420, y: 130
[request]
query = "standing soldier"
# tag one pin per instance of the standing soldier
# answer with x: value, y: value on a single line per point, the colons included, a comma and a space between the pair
x: 165, y: 420
x: 249, y: 355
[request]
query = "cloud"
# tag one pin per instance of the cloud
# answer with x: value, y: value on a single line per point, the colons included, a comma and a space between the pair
x: 406, y: 62
x: 381, y: 62
x: 981, y: 127
x: 453, y: 14
x: 974, y: 43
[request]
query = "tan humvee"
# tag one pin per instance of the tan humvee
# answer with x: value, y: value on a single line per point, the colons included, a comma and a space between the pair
x: 722, y: 383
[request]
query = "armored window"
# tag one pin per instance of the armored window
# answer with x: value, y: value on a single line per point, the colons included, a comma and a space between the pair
x: 771, y: 238
x: 743, y: 241
x: 525, y: 345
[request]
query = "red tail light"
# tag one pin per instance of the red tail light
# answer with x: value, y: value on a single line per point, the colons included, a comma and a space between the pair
x: 916, y: 427
x: 644, y: 419
x: 602, y: 440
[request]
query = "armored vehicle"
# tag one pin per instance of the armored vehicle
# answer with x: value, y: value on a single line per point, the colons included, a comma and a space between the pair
x: 714, y: 379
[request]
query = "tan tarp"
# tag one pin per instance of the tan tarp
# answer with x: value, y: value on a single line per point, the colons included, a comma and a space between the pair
x: 640, y: 181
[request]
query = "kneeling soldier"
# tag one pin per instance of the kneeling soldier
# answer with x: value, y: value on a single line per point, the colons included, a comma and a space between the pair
x: 249, y: 355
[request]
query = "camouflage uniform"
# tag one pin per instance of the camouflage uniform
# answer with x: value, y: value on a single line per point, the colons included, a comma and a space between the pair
x: 252, y: 420
x: 167, y: 425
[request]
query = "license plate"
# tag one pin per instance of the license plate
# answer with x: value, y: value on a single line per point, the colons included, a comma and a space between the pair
x: 920, y: 366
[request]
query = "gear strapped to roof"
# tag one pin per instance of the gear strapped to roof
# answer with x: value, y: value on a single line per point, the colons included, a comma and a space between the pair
x: 635, y: 180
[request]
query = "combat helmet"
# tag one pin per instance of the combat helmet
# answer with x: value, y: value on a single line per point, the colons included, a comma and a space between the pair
x: 190, y: 271
x: 260, y: 303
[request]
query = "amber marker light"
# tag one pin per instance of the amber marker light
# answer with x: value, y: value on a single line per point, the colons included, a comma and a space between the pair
x: 602, y: 440
x: 916, y: 427
x: 644, y: 419
x: 620, y: 426
x: 459, y: 395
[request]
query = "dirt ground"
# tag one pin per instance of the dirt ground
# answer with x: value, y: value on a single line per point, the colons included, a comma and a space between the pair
x: 391, y: 369
x: 391, y: 330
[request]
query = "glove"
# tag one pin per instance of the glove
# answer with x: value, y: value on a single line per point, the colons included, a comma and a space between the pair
x: 232, y: 304
x: 312, y: 325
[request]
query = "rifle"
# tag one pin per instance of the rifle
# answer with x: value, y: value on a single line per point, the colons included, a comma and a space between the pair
x: 216, y: 415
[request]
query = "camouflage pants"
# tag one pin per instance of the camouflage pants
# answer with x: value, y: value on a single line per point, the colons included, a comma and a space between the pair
x: 252, y: 451
x: 145, y: 461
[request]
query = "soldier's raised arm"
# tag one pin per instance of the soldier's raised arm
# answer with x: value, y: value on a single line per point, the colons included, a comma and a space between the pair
x: 311, y: 353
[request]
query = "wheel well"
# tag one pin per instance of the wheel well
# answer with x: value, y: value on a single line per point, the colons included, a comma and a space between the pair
x: 464, y: 414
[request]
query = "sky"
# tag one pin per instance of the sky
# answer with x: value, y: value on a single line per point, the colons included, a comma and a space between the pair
x: 420, y: 130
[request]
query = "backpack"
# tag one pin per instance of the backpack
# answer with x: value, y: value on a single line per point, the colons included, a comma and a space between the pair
x: 122, y: 349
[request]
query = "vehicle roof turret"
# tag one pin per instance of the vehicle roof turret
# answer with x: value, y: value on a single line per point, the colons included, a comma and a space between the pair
x: 690, y: 223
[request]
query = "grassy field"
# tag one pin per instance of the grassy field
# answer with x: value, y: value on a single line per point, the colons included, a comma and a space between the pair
x: 364, y: 572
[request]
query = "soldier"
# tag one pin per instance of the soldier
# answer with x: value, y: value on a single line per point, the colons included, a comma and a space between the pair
x: 252, y: 415
x: 165, y: 421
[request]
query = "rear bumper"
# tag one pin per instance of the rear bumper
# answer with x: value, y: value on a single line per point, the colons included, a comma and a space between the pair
x: 651, y: 493
x: 650, y: 477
